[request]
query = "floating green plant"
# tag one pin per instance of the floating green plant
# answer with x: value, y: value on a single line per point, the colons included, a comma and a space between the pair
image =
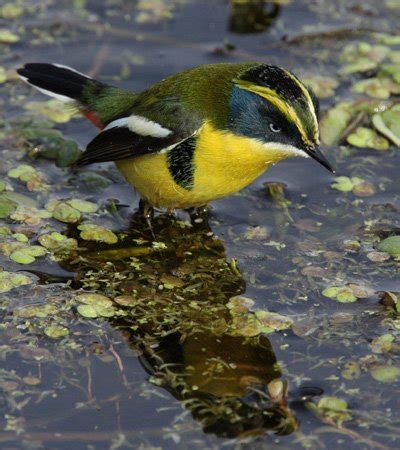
x: 335, y: 409
x: 346, y: 294
x: 385, y: 373
x: 53, y: 109
x: 91, y: 232
x: 388, y: 124
x: 390, y: 245
x: 9, y: 280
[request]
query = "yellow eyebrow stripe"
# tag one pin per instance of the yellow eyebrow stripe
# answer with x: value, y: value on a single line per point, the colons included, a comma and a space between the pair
x: 286, y: 109
x: 309, y: 101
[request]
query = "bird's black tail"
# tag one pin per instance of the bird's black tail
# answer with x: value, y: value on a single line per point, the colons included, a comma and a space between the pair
x: 98, y: 101
x: 59, y: 81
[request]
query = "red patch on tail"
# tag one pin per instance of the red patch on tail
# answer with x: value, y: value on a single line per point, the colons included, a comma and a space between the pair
x: 92, y: 116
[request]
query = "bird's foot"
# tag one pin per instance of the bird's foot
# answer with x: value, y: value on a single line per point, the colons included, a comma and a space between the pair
x: 147, y: 212
x: 199, y: 215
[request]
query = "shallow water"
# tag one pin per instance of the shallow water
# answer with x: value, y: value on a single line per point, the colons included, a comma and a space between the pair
x: 174, y: 366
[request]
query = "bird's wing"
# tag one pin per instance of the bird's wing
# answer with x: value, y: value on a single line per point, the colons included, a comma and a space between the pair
x: 136, y: 135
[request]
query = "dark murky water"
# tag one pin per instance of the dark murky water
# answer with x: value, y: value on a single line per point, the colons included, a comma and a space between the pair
x: 174, y: 361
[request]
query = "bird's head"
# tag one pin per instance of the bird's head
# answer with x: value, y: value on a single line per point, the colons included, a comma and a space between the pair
x: 272, y: 105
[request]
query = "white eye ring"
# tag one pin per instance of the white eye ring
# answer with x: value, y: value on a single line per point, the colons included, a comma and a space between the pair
x: 274, y: 128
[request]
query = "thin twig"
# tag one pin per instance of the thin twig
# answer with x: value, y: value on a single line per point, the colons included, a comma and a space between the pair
x: 88, y: 436
x: 119, y: 363
x: 328, y: 34
x: 89, y: 375
x: 351, y: 433
x: 99, y: 60
x: 165, y: 40
x: 353, y: 125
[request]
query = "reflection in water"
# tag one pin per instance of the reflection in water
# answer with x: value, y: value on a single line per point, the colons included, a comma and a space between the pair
x: 222, y: 381
x: 176, y: 318
x: 252, y: 16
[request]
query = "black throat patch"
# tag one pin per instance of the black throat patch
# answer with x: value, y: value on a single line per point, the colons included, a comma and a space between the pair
x: 181, y: 164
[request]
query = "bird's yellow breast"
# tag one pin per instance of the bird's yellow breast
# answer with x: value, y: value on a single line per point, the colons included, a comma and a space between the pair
x: 224, y: 163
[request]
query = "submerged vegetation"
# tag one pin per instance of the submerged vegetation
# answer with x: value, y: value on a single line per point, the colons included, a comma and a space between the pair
x: 276, y: 326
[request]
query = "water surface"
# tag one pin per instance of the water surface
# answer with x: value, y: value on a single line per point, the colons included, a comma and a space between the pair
x: 173, y: 367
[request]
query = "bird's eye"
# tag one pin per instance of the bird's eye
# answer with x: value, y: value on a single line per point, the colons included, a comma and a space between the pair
x: 274, y: 128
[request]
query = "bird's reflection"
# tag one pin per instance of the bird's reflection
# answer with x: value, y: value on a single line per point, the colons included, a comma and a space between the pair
x: 179, y: 323
x: 252, y: 16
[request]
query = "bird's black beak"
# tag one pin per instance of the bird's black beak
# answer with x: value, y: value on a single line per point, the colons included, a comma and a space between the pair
x: 315, y: 153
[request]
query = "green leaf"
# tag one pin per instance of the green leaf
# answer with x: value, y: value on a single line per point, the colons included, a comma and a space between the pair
x: 246, y: 325
x: 240, y: 304
x: 56, y: 331
x: 55, y: 110
x: 323, y: 86
x: 88, y: 311
x: 362, y: 57
x: 374, y: 87
x: 66, y: 213
x: 271, y: 321
x: 35, y: 250
x: 352, y: 371
x: 9, y: 280
x: 332, y: 404
x: 390, y: 245
x: 367, y: 138
x: 388, y: 124
x: 385, y: 373
x: 105, y: 312
x: 94, y: 299
x: 334, y: 123
x: 125, y: 300
x: 382, y: 344
x: 6, y: 207
x: 8, y: 37
x: 40, y: 311
x: 3, y: 75
x: 57, y: 242
x: 11, y: 11
x: 83, y: 205
x: 20, y: 237
x: 91, y: 232
x: 331, y: 292
x: 335, y: 408
x: 346, y: 296
x: 344, y: 184
x: 389, y: 39
x: 23, y: 172
x: 95, y: 305
x: 21, y: 257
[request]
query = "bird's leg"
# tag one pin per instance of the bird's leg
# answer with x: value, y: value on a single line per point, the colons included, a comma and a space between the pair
x: 147, y: 212
x: 170, y: 212
x: 199, y: 215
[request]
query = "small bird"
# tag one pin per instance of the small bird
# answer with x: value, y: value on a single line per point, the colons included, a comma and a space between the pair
x: 196, y: 136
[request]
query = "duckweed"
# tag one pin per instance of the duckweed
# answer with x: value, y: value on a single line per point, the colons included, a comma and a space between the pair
x: 385, y: 373
x: 334, y: 408
x: 91, y: 232
x: 9, y: 280
x: 390, y: 245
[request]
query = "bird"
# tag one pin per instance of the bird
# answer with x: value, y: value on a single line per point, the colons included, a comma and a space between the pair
x: 195, y: 136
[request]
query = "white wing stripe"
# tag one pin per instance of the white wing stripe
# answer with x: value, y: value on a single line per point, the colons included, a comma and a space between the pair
x: 140, y: 125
